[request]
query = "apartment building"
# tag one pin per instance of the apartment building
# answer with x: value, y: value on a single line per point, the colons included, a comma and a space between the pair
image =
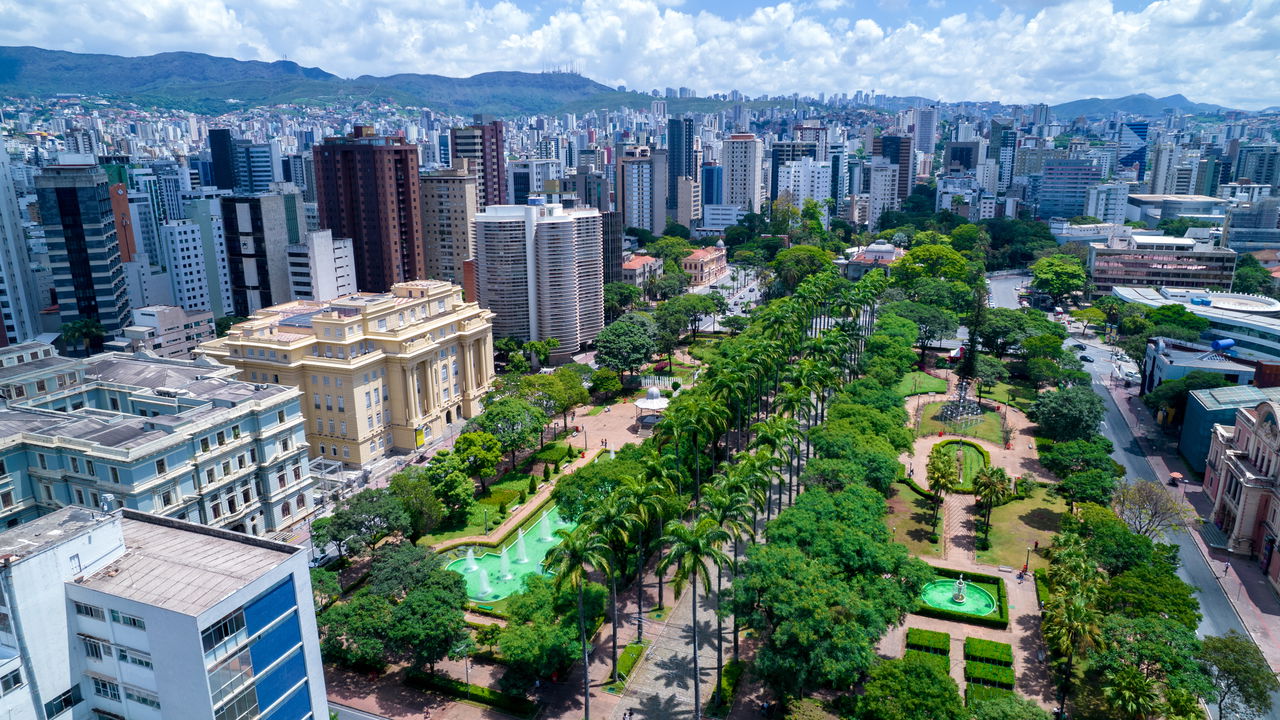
x: 378, y: 372
x: 1132, y: 260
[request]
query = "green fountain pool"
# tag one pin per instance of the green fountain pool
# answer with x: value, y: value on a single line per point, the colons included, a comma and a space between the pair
x: 495, y: 575
x: 977, y: 601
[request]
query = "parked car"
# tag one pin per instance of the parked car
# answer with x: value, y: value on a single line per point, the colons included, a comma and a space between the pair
x: 1086, y: 358
x: 1080, y: 346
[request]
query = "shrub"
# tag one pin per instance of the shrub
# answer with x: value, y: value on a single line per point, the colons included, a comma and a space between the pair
x: 1042, y: 585
x: 514, y: 704
x: 720, y: 705
x: 533, y: 485
x: 546, y: 475
x: 989, y: 675
x: 976, y: 693
x: 932, y: 641
x: 939, y: 662
x: 502, y: 509
x: 988, y: 651
x: 524, y: 496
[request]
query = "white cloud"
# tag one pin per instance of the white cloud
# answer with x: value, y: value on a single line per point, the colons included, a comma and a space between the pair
x: 1220, y: 51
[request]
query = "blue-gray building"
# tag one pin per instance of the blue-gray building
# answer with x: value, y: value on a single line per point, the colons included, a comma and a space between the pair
x: 1164, y: 363
x: 172, y: 437
x: 1218, y: 406
x: 712, y: 184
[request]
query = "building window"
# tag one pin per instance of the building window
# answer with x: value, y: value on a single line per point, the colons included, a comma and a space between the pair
x: 142, y: 697
x: 285, y: 510
x: 204, y: 444
x: 103, y: 688
x: 346, y: 451
x: 63, y: 702
x: 92, y: 648
x: 221, y: 630
x: 11, y: 681
x: 241, y: 707
x: 128, y: 620
x: 280, y: 417
x: 6, y: 499
x: 133, y: 656
x: 316, y: 397
x: 161, y: 467
x: 90, y: 611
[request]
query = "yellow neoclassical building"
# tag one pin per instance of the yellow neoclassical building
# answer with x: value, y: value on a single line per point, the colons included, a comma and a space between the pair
x: 378, y: 371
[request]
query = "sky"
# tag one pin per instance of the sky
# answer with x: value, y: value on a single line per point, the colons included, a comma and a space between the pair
x: 1015, y: 51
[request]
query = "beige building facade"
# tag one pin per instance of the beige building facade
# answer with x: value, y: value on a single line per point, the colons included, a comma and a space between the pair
x: 449, y: 203
x: 380, y: 372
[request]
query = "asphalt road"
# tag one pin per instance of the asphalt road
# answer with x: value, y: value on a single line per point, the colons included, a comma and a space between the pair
x: 1219, y: 616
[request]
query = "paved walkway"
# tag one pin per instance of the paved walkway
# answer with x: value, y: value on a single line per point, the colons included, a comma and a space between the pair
x: 1244, y: 585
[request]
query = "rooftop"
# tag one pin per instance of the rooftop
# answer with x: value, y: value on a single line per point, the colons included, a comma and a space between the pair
x: 184, y: 567
x: 1235, y: 396
x: 47, y: 531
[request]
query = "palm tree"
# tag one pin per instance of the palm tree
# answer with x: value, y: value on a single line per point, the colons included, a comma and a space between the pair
x: 577, y: 551
x: 1071, y: 626
x: 779, y: 435
x: 992, y: 487
x: 614, y: 523
x: 941, y: 473
x: 649, y: 496
x: 85, y: 330
x: 1131, y: 694
x: 693, y: 550
x: 732, y: 511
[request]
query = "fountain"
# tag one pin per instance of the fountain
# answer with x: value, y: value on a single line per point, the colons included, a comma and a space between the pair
x: 485, y: 588
x: 544, y: 528
x: 471, y: 565
x: 522, y: 556
x: 958, y: 595
x: 502, y: 575
x: 504, y: 566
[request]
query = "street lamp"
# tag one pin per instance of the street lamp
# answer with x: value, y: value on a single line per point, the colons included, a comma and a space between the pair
x: 1027, y: 565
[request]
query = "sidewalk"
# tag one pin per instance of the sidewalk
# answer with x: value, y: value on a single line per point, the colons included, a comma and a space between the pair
x: 1244, y: 585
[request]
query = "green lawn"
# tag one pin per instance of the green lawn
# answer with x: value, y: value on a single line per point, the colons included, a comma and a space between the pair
x: 1020, y: 396
x: 506, y: 489
x: 971, y: 461
x: 908, y: 518
x: 988, y: 426
x: 1020, y: 524
x: 917, y: 383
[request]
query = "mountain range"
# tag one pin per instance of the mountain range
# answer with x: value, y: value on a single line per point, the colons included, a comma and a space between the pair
x: 213, y: 85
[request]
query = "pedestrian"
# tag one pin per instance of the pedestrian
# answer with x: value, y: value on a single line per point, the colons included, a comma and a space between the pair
x: 1226, y: 568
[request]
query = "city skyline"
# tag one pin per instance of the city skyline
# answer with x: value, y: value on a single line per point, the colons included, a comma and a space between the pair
x: 1014, y: 51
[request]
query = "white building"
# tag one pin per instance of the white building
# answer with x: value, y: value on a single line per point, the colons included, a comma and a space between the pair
x: 925, y: 124
x: 182, y: 245
x: 127, y: 615
x: 204, y: 208
x: 529, y: 177
x: 1108, y: 202
x: 540, y: 269
x: 641, y: 190
x: 164, y: 330
x: 805, y: 179
x: 322, y: 267
x: 744, y: 172
x: 883, y: 191
x: 715, y: 218
x: 19, y: 303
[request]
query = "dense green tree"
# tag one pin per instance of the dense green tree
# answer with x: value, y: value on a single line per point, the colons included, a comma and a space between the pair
x: 1178, y: 316
x: 1251, y: 277
x: 988, y: 372
x: 934, y: 323
x: 83, y: 330
x: 429, y: 623
x: 935, y: 261
x: 400, y: 567
x: 1002, y: 329
x: 1068, y: 458
x: 793, y: 265
x: 675, y: 229
x: 1151, y: 591
x: 579, y: 551
x: 515, y: 422
x: 1163, y: 650
x: 1171, y: 395
x: 353, y: 633
x: 1178, y: 226
x: 223, y: 324
x: 480, y: 454
x: 670, y: 248
x: 909, y: 689
x: 605, y: 382
x: 1058, y: 276
x: 324, y: 586
x: 1069, y: 414
x: 1240, y: 675
x: 618, y: 296
x: 1130, y: 694
x: 1091, y: 486
x: 624, y: 347
x: 361, y: 519
x: 418, y: 497
x: 449, y: 483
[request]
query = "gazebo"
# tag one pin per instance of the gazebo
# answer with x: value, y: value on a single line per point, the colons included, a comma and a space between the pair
x: 649, y: 408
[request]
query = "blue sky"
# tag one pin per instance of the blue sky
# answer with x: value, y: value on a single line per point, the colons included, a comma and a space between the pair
x: 1017, y: 51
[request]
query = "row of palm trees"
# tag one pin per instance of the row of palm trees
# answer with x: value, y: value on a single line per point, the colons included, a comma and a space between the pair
x: 715, y: 467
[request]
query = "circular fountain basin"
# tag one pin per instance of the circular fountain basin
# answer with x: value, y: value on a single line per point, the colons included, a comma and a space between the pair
x: 537, y: 540
x: 940, y: 594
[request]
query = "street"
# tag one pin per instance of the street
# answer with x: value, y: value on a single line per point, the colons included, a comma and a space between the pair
x: 1219, y: 616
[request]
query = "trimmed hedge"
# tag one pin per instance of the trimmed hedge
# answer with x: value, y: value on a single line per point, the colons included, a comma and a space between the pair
x: 988, y: 651
x: 999, y: 619
x: 990, y: 675
x: 975, y: 693
x: 938, y: 662
x: 938, y: 643
x: 719, y: 707
x: 1042, y: 585
x: 629, y: 657
x: 919, y: 490
x: 514, y: 704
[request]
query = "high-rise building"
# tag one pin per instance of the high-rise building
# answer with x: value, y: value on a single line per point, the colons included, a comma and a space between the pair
x: 123, y: 614
x: 1064, y: 189
x: 805, y: 179
x: 682, y: 157
x: 1131, y: 141
x: 539, y: 269
x: 367, y: 190
x: 84, y: 252
x: 883, y: 189
x: 925, y: 128
x: 897, y: 149
x: 641, y: 189
x: 449, y: 201
x: 712, y: 184
x: 380, y: 373
x: 813, y: 131
x: 743, y: 174
x: 613, y: 241
x: 259, y: 230
x: 530, y: 177
x: 178, y: 438
x: 321, y: 267
x: 182, y: 246
x: 781, y: 153
x: 484, y: 145
x: 1107, y: 202
x: 961, y: 156
x: 222, y: 158
x: 1259, y: 164
x: 204, y: 208
x: 19, y: 301
x: 590, y: 185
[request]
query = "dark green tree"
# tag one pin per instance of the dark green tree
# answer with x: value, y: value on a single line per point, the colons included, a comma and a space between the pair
x: 910, y: 689
x: 1069, y: 414
x: 1240, y: 674
x: 624, y: 347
